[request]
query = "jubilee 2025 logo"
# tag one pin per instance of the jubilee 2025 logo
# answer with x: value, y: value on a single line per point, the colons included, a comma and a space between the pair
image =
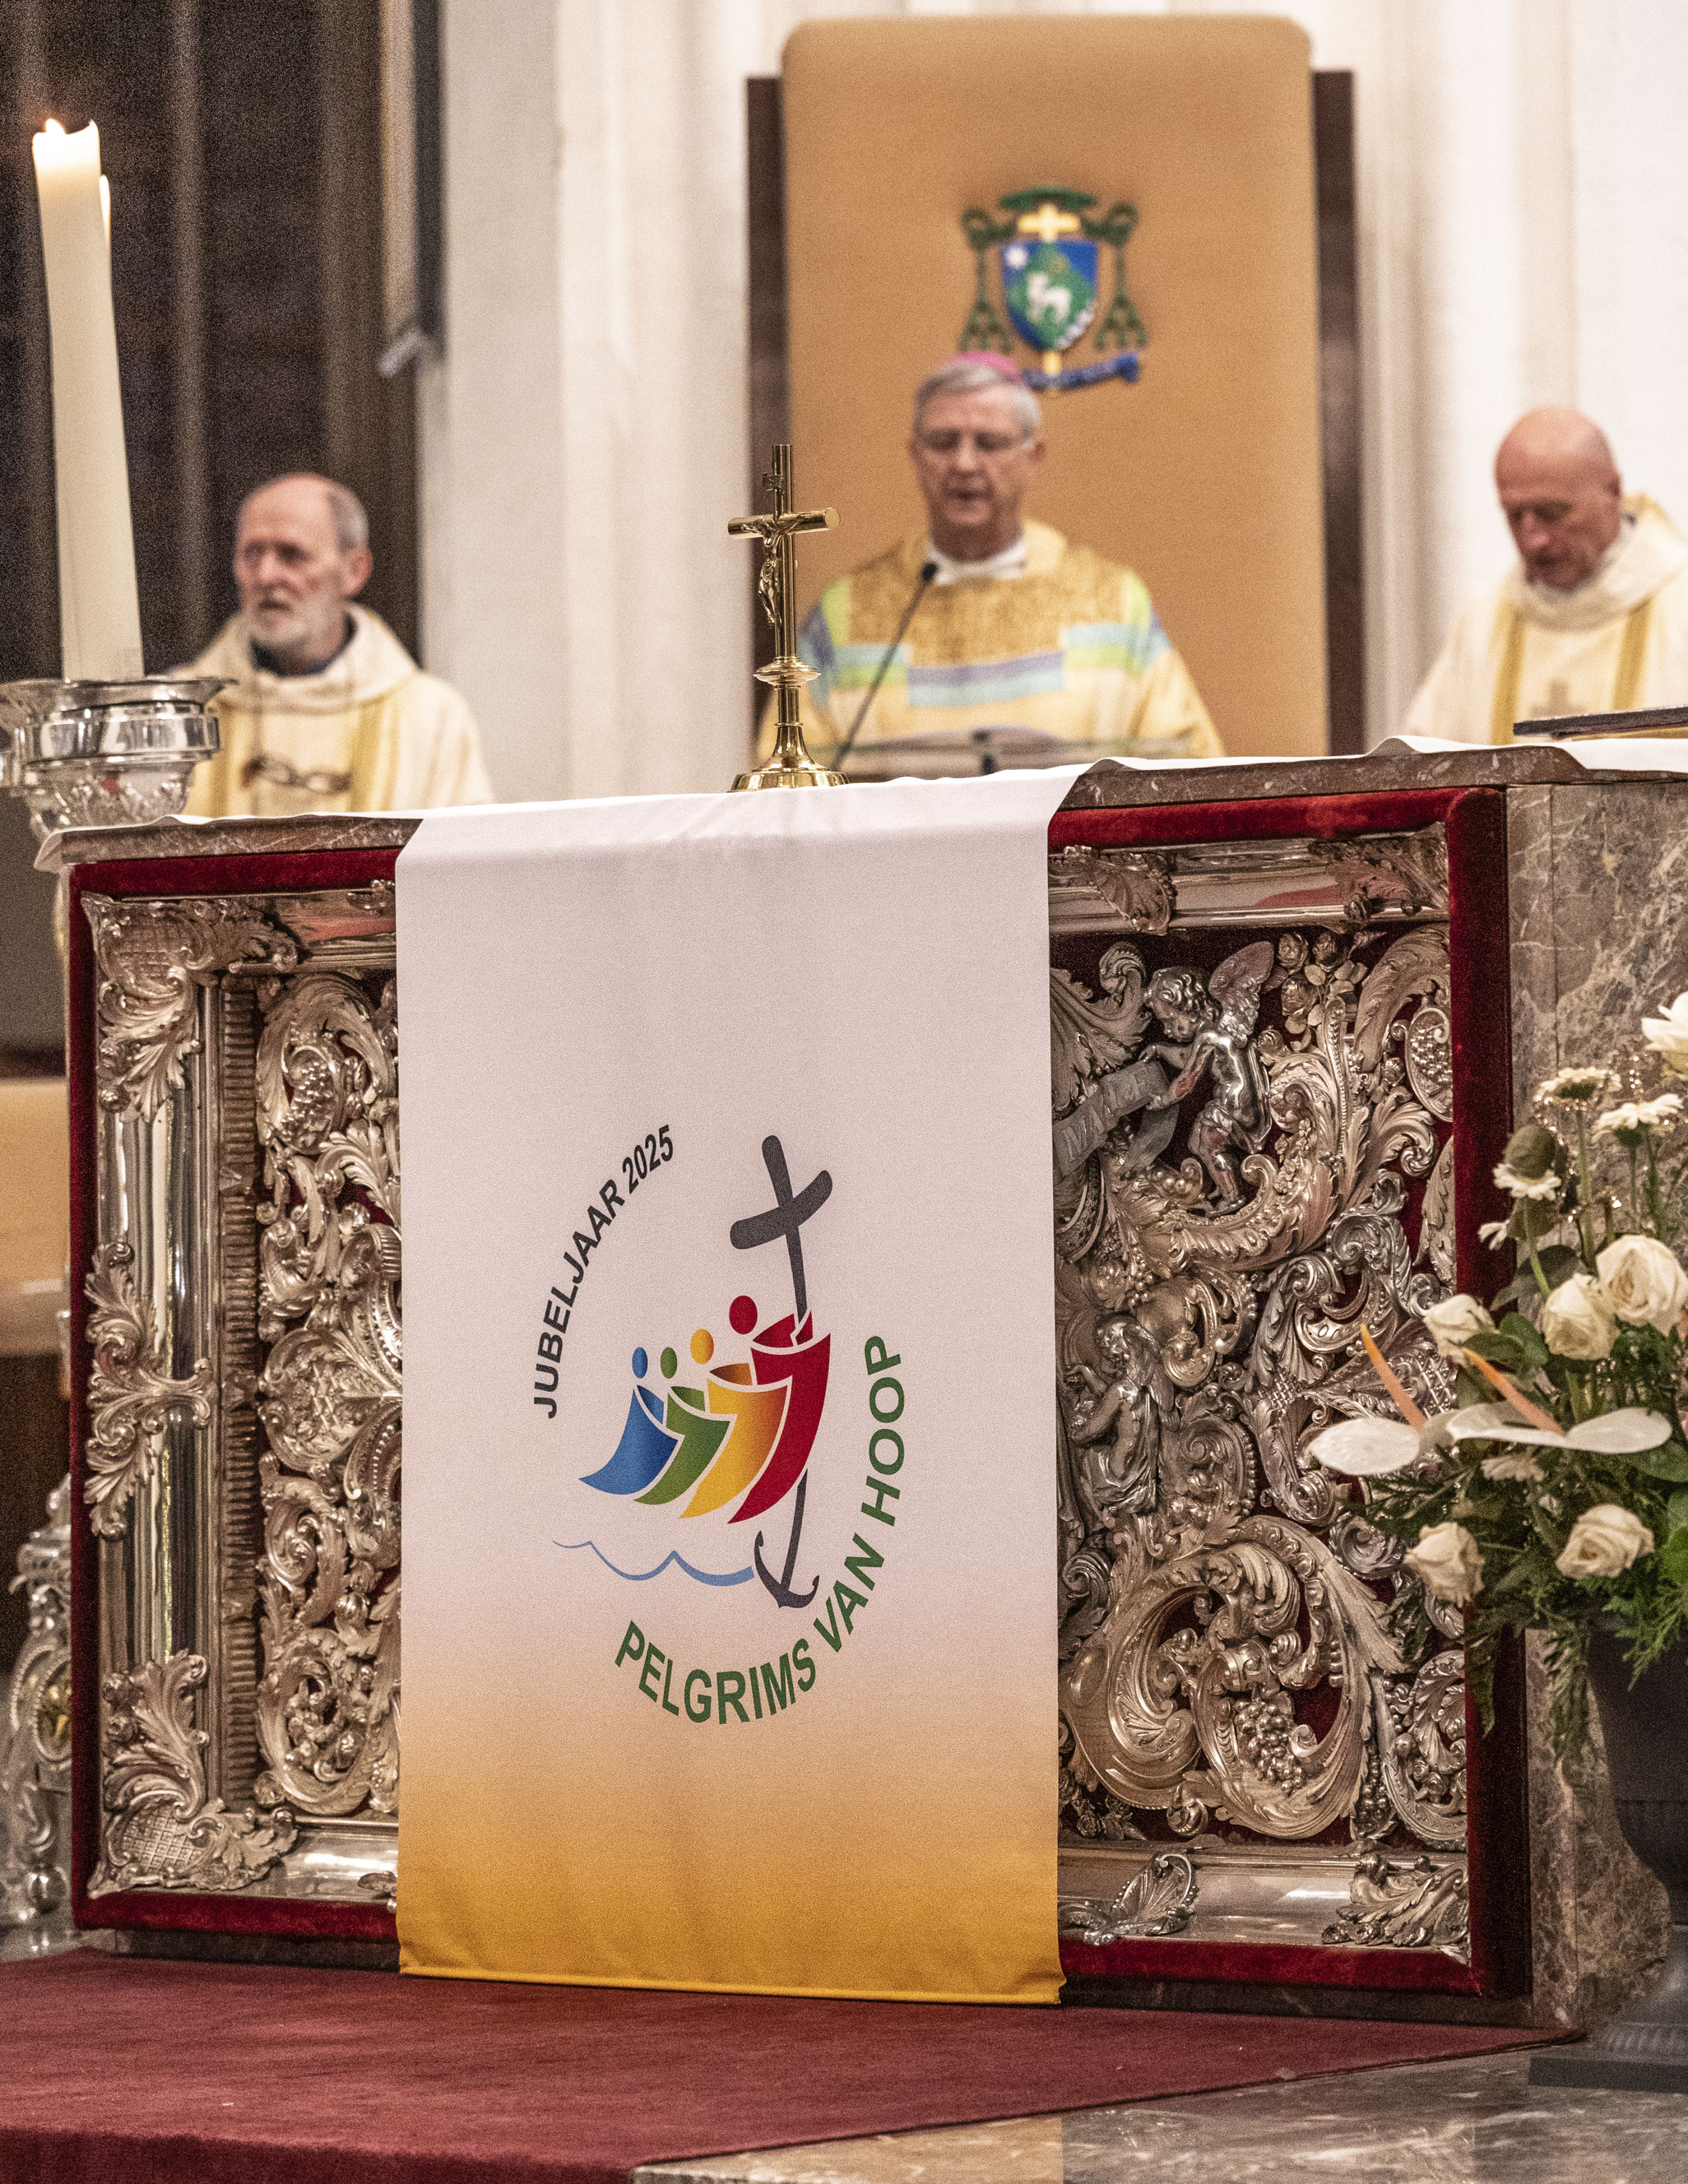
x: 727, y: 1430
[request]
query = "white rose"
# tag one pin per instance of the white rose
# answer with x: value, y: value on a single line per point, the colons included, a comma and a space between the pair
x: 1447, y: 1559
x: 1451, y: 1323
x: 1644, y: 1281
x: 1604, y: 1541
x: 1577, y: 1319
x: 1668, y: 1035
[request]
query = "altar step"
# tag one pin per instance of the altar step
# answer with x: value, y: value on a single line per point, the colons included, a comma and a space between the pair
x: 1476, y: 2121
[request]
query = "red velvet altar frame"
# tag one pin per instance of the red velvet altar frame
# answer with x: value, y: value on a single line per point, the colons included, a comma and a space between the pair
x: 1498, y: 1856
x: 180, y: 1911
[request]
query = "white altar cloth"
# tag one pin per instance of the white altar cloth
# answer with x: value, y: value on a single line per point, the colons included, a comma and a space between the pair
x: 728, y: 1220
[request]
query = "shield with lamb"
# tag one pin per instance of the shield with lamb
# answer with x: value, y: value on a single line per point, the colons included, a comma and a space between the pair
x: 1049, y: 284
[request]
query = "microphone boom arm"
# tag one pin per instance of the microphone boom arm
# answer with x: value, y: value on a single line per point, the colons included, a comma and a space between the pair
x: 928, y: 570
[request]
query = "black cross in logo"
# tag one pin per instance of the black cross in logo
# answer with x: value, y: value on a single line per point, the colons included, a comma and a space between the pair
x: 785, y: 1217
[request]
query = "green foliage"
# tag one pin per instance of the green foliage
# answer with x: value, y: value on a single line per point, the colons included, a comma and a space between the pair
x: 1558, y: 1262
x: 1669, y: 1462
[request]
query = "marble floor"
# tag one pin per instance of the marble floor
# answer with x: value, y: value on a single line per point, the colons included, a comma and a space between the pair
x: 1474, y: 2122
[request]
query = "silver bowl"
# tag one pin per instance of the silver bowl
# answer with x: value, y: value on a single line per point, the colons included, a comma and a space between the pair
x: 104, y: 753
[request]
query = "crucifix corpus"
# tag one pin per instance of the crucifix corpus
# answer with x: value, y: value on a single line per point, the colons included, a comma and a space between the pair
x: 790, y: 766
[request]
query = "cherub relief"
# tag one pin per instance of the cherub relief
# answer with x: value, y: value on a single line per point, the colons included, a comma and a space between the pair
x: 1089, y: 1038
x: 1093, y: 1072
x: 1212, y: 1034
x: 1118, y: 1477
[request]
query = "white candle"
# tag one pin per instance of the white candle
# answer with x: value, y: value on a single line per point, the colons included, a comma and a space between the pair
x: 99, y: 613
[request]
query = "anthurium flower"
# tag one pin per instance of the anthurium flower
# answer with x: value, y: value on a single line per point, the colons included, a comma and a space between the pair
x: 1613, y: 1433
x: 1617, y: 1433
x: 1372, y: 1448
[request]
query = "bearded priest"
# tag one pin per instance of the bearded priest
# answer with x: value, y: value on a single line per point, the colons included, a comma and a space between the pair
x: 991, y: 621
x: 325, y: 711
x: 1592, y: 617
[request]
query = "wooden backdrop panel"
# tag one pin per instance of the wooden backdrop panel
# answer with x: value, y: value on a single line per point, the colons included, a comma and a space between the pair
x: 1206, y: 476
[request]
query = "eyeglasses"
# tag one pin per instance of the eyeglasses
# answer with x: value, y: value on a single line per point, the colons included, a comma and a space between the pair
x: 983, y: 444
x: 1545, y: 512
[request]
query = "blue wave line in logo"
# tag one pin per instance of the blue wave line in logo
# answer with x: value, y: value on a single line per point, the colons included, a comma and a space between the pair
x: 639, y: 1577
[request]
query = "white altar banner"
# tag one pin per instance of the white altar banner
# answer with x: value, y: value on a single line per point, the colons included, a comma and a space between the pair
x: 729, y: 1565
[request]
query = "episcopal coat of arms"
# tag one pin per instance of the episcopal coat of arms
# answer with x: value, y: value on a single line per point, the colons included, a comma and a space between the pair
x: 1049, y: 254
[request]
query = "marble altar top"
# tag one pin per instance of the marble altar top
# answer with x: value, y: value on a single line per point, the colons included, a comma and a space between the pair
x: 1112, y: 784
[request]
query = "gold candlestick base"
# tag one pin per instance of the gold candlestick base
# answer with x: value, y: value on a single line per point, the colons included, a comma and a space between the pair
x: 789, y: 764
x: 805, y: 774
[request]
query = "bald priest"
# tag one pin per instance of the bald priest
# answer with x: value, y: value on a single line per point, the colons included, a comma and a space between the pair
x: 1593, y: 615
x: 325, y: 711
x: 1013, y: 627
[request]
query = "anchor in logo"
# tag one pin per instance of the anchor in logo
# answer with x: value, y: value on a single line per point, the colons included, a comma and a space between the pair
x: 785, y: 1217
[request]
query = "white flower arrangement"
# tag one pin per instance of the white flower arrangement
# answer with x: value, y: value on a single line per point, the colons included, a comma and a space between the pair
x: 1565, y: 1501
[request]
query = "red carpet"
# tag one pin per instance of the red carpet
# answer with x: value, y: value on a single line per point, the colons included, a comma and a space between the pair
x: 120, y: 2072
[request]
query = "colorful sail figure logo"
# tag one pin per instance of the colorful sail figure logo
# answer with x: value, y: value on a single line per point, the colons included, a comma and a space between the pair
x: 748, y: 1431
x: 1049, y: 251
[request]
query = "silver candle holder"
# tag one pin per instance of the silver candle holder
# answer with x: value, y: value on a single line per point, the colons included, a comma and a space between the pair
x: 105, y: 754
x: 78, y: 755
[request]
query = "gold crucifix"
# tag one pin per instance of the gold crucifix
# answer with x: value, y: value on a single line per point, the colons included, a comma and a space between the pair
x: 790, y: 766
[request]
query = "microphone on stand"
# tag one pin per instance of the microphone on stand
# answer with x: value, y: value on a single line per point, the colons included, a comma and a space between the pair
x: 928, y: 570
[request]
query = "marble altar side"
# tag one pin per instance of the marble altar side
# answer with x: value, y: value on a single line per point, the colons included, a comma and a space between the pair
x: 1598, y: 896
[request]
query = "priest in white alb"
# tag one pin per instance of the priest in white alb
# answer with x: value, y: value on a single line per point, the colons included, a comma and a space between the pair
x: 325, y: 711
x: 1593, y: 615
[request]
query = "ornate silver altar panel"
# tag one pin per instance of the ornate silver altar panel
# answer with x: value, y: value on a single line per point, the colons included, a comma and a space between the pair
x: 1253, y: 1158
x: 35, y: 1749
x: 241, y: 1464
